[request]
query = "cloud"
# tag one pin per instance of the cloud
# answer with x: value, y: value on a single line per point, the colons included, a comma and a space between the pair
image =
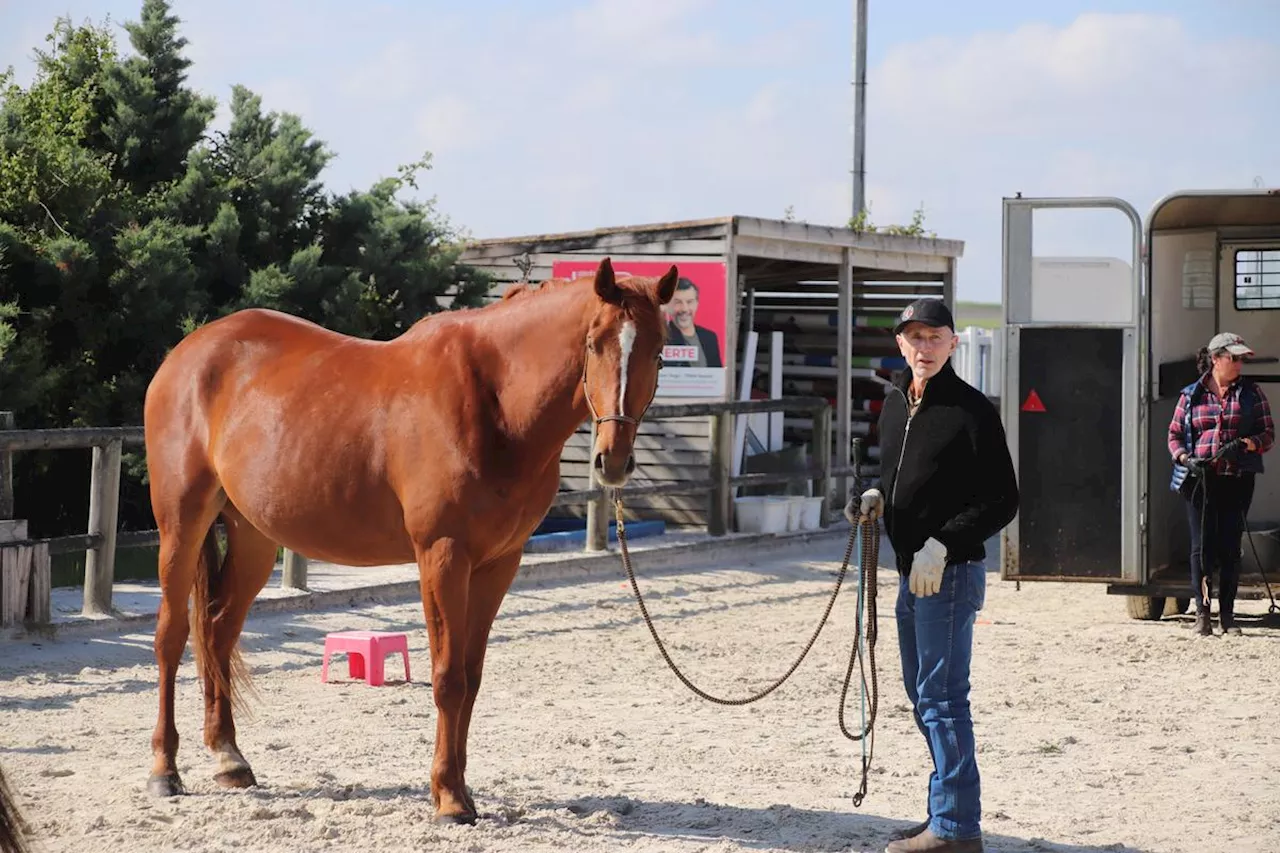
x: 1130, y: 105
x: 587, y: 113
x: 448, y: 123
x: 1101, y: 67
x: 643, y: 32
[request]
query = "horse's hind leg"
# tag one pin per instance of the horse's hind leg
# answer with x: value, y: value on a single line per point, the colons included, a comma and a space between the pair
x: 183, y: 522
x: 251, y: 556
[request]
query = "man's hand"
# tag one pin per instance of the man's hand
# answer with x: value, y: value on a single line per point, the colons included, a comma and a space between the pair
x: 1195, y: 465
x: 871, y: 505
x: 926, y: 568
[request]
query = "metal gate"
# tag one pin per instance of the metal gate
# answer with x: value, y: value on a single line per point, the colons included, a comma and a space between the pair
x: 1071, y: 404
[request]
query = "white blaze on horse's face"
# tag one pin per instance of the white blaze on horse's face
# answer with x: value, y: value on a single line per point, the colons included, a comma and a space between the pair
x: 626, y: 341
x: 613, y: 456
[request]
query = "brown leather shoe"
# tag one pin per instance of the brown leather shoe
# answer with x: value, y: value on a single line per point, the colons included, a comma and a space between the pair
x: 1203, y: 626
x: 909, y: 832
x: 927, y: 842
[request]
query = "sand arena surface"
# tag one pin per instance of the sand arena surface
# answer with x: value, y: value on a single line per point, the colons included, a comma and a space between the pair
x: 1096, y: 732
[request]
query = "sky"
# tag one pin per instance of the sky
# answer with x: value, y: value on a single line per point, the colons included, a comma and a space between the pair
x: 555, y: 115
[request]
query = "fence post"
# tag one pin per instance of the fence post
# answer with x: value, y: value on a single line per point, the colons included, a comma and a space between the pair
x: 294, y: 575
x: 104, y: 507
x: 597, y: 538
x: 822, y: 455
x: 721, y: 428
x: 6, y: 471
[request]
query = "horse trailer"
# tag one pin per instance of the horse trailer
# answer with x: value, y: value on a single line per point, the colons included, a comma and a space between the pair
x: 1096, y: 351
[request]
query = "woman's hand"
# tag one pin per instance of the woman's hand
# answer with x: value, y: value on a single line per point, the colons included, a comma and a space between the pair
x: 1250, y: 445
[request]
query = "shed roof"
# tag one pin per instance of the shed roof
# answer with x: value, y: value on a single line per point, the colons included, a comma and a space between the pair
x: 773, y: 239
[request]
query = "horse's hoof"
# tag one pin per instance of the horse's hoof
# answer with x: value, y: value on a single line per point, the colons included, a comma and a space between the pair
x: 241, y: 777
x: 457, y: 819
x: 168, y: 785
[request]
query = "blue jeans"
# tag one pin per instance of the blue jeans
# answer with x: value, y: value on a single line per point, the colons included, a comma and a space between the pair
x: 935, y: 639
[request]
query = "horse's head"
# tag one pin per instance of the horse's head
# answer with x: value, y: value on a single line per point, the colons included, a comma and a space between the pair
x: 624, y: 354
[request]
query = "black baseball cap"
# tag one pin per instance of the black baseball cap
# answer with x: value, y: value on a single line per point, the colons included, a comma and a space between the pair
x: 931, y: 312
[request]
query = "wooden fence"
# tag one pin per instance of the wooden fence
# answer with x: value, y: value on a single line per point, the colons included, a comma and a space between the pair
x: 25, y: 567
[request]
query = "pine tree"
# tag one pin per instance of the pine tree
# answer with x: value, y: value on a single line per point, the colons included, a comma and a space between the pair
x: 157, y: 120
x: 270, y: 167
x: 122, y: 228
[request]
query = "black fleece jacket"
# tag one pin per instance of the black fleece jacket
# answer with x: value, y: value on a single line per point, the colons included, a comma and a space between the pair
x: 946, y: 472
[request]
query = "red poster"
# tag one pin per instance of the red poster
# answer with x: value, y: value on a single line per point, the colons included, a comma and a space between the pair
x: 694, y: 357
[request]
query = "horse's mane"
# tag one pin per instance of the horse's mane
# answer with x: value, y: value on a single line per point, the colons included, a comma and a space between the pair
x: 520, y: 290
x: 526, y: 288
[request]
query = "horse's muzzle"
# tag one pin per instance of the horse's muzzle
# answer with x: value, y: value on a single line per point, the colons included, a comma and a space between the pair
x: 612, y: 474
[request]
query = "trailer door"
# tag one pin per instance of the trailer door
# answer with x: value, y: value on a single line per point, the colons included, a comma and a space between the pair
x: 1071, y: 400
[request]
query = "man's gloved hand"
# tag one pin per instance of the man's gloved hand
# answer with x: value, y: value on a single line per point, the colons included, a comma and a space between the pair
x: 870, y: 504
x: 926, y: 568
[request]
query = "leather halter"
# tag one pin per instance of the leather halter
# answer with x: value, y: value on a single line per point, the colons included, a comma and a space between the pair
x: 619, y: 417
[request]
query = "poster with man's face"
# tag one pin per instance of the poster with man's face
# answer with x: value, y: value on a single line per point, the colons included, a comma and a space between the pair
x: 694, y: 356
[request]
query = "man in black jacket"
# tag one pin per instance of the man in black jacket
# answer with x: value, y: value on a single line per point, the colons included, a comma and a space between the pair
x: 951, y: 486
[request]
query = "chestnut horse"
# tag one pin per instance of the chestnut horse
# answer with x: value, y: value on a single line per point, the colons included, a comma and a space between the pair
x: 441, y: 447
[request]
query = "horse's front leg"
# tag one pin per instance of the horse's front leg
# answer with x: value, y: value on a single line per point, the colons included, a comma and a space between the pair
x: 489, y: 585
x: 444, y: 575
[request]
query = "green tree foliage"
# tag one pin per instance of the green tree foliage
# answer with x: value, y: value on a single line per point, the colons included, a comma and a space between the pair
x: 126, y: 221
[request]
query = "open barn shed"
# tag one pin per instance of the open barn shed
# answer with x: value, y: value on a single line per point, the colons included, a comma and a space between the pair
x: 820, y: 301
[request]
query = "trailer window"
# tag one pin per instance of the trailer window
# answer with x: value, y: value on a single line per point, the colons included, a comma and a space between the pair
x: 1257, y: 279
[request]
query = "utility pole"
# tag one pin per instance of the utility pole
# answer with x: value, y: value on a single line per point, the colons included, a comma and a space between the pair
x: 859, y: 106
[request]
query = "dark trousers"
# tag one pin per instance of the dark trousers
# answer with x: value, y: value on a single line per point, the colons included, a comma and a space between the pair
x: 1216, y: 511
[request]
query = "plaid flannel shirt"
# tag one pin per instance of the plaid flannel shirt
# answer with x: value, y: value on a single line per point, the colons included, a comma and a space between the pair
x: 1215, y: 421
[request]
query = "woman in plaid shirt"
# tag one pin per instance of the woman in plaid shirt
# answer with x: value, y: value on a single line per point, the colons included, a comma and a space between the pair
x: 1216, y: 409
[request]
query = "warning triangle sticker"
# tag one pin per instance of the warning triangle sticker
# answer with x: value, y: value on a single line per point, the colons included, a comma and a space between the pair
x: 1032, y: 403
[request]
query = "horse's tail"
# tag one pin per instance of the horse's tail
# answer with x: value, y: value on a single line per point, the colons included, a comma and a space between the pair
x: 205, y: 591
x: 12, y: 827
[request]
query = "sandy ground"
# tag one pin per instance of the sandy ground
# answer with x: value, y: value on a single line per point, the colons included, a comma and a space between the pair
x: 1096, y: 732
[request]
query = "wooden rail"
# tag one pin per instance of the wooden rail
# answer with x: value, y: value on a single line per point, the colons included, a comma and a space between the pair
x: 25, y: 570
x: 25, y: 562
x: 720, y: 484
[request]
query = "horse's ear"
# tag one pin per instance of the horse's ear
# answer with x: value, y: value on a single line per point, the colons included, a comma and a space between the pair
x: 606, y: 285
x: 667, y: 285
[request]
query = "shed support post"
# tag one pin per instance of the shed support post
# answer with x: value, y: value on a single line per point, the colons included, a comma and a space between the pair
x: 597, y: 538
x: 844, y: 384
x: 822, y: 441
x: 294, y: 574
x: 721, y: 430
x: 949, y: 285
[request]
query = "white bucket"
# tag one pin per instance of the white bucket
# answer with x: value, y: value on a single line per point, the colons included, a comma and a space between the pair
x: 794, y: 506
x: 760, y: 514
x: 810, y: 508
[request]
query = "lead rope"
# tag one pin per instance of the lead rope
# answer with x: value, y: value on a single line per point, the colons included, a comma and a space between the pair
x: 868, y: 557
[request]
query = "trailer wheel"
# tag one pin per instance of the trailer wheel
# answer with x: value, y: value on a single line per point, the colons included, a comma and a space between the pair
x: 1145, y: 607
x: 1176, y: 606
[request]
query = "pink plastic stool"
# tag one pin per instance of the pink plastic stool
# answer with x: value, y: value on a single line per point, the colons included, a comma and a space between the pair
x: 366, y: 650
